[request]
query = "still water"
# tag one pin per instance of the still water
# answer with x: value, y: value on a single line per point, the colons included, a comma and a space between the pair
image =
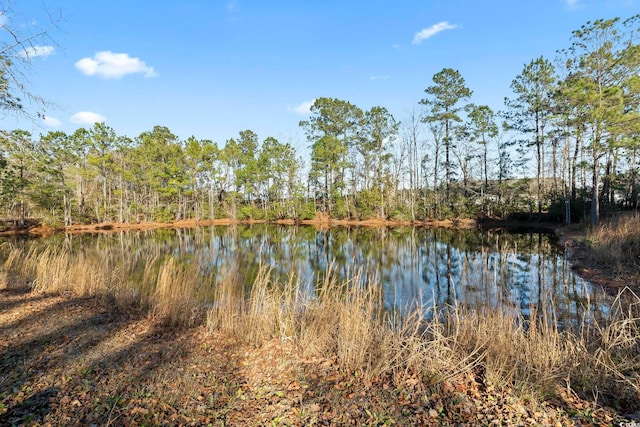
x: 428, y: 266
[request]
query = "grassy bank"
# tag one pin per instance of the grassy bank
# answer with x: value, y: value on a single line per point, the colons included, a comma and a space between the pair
x: 615, y: 244
x: 293, y: 357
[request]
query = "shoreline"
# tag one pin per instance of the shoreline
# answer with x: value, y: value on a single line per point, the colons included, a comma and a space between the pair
x: 45, y: 230
x: 572, y: 238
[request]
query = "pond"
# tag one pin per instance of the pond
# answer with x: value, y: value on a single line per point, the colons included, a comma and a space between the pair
x: 433, y: 267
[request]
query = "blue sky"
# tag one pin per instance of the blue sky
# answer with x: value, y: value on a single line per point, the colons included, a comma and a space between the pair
x: 212, y: 68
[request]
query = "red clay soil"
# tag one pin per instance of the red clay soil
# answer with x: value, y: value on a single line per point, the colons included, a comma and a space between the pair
x: 116, y: 226
x: 106, y: 227
x: 320, y: 220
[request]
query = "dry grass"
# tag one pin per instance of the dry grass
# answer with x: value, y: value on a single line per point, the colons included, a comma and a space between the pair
x: 174, y: 298
x: 345, y: 322
x: 168, y: 290
x: 616, y: 244
x: 534, y: 355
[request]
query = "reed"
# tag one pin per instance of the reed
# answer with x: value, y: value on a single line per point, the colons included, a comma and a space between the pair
x: 167, y: 290
x: 346, y: 320
x: 15, y: 270
x: 342, y: 320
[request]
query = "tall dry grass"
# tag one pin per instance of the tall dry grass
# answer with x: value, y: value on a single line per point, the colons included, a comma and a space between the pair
x: 345, y: 321
x: 342, y: 319
x: 616, y: 243
x: 175, y: 297
x: 171, y: 293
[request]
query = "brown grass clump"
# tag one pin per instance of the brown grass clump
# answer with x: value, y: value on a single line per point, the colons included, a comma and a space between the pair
x: 530, y: 355
x: 15, y: 272
x: 60, y: 271
x: 170, y: 292
x: 344, y: 321
x: 613, y: 350
x: 616, y: 244
x: 174, y: 299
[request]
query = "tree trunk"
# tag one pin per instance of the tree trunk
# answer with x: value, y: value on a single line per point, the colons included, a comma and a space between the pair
x: 539, y: 168
x: 574, y: 166
x: 595, y: 196
x: 447, y: 162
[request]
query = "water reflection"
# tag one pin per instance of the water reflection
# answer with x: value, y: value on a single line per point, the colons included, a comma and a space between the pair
x: 435, y: 267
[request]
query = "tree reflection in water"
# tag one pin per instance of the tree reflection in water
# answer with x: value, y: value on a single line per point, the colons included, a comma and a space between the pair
x: 516, y: 272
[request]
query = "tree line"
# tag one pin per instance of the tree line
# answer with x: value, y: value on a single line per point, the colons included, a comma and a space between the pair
x: 566, y: 145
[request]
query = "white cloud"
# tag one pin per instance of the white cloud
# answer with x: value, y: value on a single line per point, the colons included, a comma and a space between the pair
x: 36, y: 51
x: 573, y: 4
x: 51, y: 122
x: 303, y: 108
x: 87, y: 118
x: 3, y: 19
x: 110, y: 65
x: 432, y: 31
